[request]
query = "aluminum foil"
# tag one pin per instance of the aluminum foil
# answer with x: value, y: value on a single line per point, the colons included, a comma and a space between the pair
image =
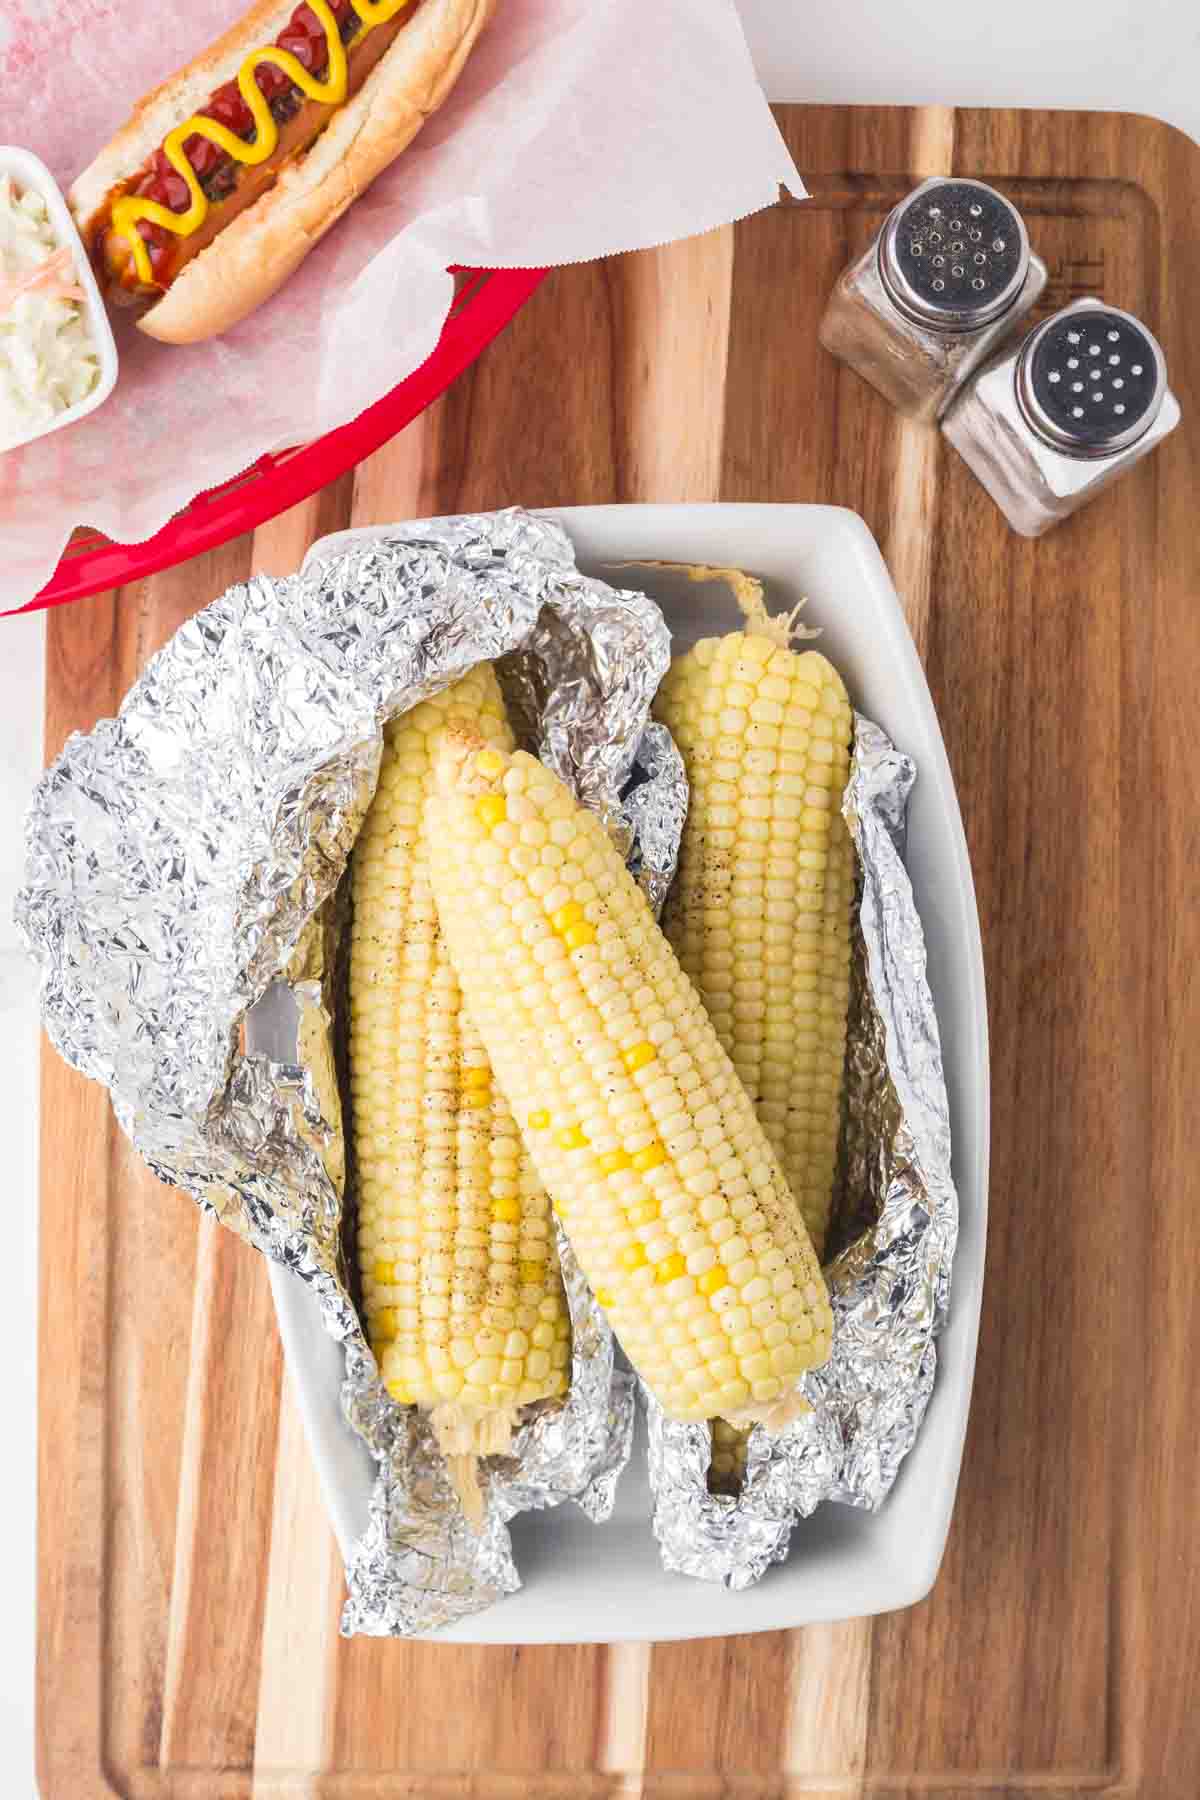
x: 179, y: 862
x: 419, y: 1564
x: 653, y: 811
x: 898, y: 1209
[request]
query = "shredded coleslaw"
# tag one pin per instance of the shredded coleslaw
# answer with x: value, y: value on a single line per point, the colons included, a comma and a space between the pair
x: 48, y: 357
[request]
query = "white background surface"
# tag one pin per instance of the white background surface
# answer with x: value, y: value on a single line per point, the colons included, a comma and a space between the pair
x: 1126, y: 55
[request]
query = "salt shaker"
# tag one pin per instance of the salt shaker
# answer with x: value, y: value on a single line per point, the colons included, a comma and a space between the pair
x: 947, y: 277
x: 1048, y: 425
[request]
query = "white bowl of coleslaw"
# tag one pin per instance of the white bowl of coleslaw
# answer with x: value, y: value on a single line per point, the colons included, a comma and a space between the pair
x: 58, y: 360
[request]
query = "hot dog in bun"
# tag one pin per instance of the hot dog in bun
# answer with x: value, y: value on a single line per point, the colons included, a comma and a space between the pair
x: 228, y: 174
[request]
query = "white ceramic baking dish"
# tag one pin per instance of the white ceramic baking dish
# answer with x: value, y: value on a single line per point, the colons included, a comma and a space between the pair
x: 586, y: 1583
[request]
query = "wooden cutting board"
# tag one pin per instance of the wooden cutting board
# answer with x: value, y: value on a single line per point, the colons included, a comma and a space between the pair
x: 189, y: 1586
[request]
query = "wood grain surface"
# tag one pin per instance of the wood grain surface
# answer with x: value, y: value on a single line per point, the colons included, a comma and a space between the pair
x: 189, y: 1586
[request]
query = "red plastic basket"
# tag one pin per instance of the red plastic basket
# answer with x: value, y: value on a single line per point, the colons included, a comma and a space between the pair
x: 483, y: 305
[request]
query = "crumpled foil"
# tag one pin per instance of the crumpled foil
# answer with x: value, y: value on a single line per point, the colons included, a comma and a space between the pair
x: 178, y: 862
x: 419, y: 1564
x: 898, y: 1207
x: 653, y: 811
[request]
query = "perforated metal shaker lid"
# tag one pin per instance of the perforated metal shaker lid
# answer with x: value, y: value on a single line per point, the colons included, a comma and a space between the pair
x: 954, y: 255
x: 1091, y: 380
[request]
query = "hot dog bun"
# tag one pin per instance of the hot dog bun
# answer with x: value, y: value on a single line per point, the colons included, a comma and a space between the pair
x: 256, y: 252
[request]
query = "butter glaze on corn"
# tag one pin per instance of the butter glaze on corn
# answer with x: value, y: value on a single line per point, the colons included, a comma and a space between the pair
x: 759, y: 912
x: 664, y: 1180
x: 463, y: 1299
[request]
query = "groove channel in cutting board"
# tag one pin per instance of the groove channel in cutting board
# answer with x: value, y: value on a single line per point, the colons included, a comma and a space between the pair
x: 189, y: 1589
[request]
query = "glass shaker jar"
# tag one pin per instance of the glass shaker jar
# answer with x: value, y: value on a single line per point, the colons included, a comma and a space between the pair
x: 1050, y: 424
x: 947, y: 277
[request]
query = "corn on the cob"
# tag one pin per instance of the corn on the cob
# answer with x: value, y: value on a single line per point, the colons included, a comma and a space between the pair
x: 463, y: 1297
x: 727, y: 1467
x: 759, y: 912
x: 671, y: 1195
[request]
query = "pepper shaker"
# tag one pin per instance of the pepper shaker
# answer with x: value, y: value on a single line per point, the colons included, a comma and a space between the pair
x: 947, y: 277
x: 1050, y: 424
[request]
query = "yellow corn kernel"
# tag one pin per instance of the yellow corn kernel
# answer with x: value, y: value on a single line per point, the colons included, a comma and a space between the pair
x: 477, y: 1078
x: 575, y: 937
x: 671, y: 1267
x: 567, y: 915
x: 489, y: 764
x: 531, y: 1272
x: 652, y: 1157
x: 612, y: 1160
x: 474, y: 1099
x: 384, y: 1321
x: 491, y: 810
x: 639, y: 1056
x: 506, y: 1211
x: 384, y: 1273
x: 632, y: 1256
x: 604, y: 1297
x: 400, y: 1392
x: 713, y: 1280
x: 571, y: 1138
x: 539, y: 1120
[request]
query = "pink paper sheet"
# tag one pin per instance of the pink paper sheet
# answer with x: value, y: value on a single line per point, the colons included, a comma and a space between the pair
x: 579, y: 128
